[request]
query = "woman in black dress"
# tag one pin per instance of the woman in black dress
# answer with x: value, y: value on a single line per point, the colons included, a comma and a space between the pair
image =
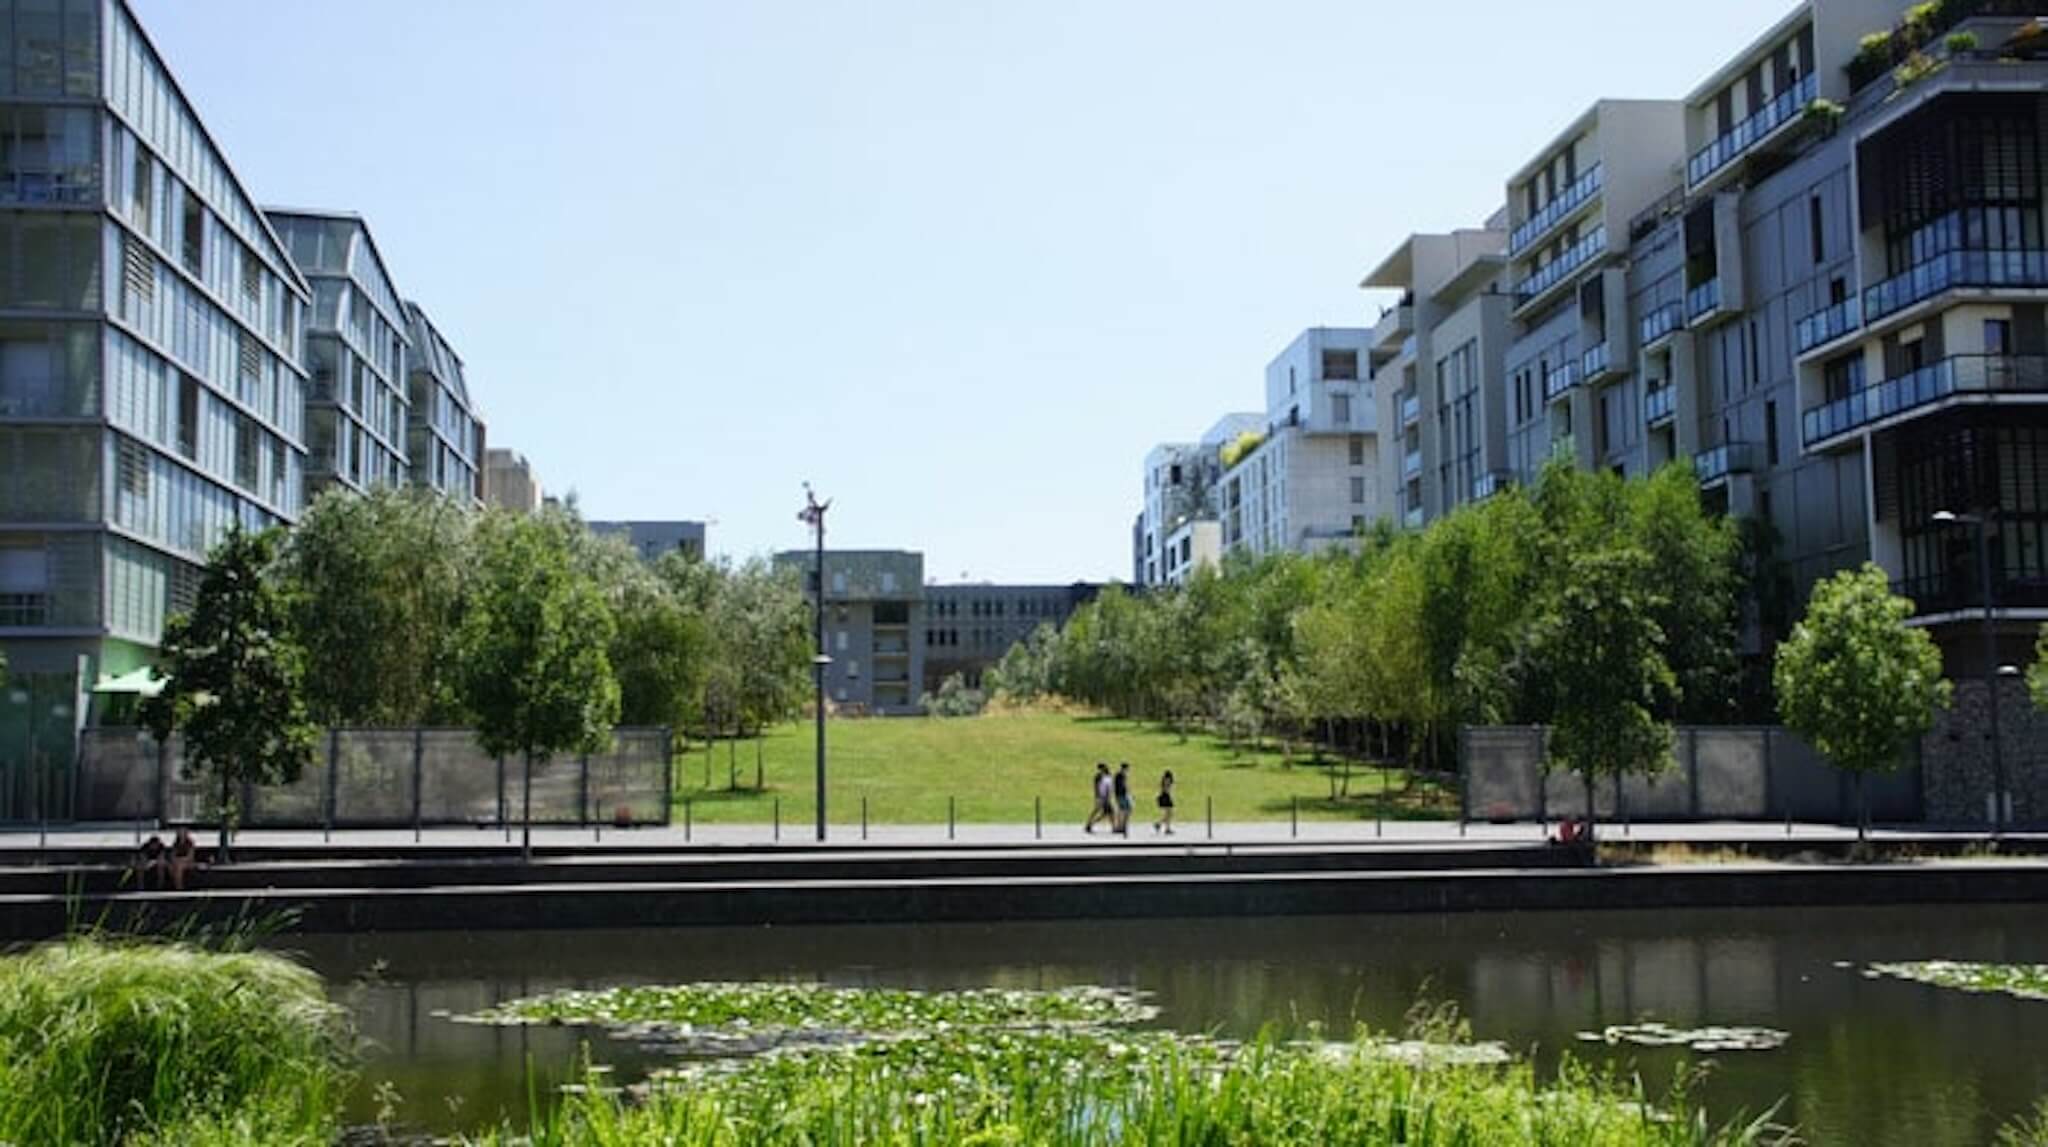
x: 1165, y: 821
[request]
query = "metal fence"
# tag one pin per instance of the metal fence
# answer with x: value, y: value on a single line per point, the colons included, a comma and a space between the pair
x: 1717, y: 773
x: 382, y: 778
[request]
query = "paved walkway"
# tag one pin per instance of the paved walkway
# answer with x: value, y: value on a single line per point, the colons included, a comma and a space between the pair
x: 1436, y: 833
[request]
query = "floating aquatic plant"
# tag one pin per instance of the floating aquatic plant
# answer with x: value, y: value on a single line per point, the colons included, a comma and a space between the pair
x: 1653, y: 1033
x: 2026, y: 981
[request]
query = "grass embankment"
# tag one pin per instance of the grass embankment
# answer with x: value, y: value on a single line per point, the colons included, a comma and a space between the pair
x: 105, y: 1042
x: 993, y: 766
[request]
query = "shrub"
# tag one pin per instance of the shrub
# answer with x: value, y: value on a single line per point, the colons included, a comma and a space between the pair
x: 1960, y: 42
x: 954, y: 699
x: 1915, y: 67
x: 104, y: 1042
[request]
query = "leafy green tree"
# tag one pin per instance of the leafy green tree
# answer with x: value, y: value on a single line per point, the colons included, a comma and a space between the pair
x: 658, y: 653
x: 1025, y: 672
x: 954, y: 699
x: 1856, y: 680
x: 237, y: 677
x: 1600, y: 645
x: 1694, y: 569
x: 535, y: 669
x: 375, y: 585
x: 2037, y: 674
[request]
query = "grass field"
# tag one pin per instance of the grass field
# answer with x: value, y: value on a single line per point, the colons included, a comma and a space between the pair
x: 993, y: 767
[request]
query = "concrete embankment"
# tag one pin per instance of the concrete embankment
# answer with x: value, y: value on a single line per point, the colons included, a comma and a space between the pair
x: 738, y: 887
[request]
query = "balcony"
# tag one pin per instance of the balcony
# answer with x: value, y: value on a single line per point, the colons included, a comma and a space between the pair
x: 1558, y: 270
x: 1411, y: 464
x: 1961, y: 375
x: 1411, y: 410
x: 1493, y: 482
x: 1396, y: 323
x: 1960, y: 590
x: 1715, y: 465
x: 1559, y: 382
x: 1661, y: 324
x: 1751, y: 133
x: 1702, y: 301
x: 1597, y: 365
x: 1828, y: 324
x: 1576, y: 195
x: 1659, y: 404
x: 1953, y: 270
x: 1413, y: 518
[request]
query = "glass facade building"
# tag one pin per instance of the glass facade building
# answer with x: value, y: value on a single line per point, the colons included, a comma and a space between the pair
x: 444, y: 437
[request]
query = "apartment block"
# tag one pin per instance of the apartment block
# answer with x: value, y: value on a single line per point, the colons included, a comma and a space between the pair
x: 874, y: 605
x: 510, y: 482
x: 444, y: 432
x: 653, y: 539
x: 1177, y: 530
x: 151, y: 392
x: 1436, y: 358
x: 357, y: 343
x: 1312, y: 480
x: 968, y: 628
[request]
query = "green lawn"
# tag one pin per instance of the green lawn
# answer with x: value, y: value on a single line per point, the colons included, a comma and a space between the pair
x: 994, y: 766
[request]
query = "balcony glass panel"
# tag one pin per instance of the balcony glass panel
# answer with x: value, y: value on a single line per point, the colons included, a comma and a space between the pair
x: 1573, y: 197
x: 1555, y: 272
x: 1659, y: 403
x: 1411, y: 408
x: 1703, y: 299
x: 1487, y: 485
x: 1558, y: 381
x: 1962, y: 374
x: 1962, y: 268
x: 1411, y: 464
x: 1661, y: 322
x: 1413, y: 518
x: 1595, y: 361
x: 1788, y: 106
x: 1828, y: 324
x: 1721, y: 461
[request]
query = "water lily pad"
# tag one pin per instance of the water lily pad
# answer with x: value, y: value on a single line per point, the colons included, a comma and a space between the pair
x: 2024, y: 981
x: 1655, y: 1033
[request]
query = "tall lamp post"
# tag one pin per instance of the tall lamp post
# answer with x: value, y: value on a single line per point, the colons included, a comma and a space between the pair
x: 1983, y: 524
x: 813, y: 515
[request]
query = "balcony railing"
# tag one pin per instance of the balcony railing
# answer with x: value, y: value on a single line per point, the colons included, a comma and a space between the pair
x: 1961, y: 374
x: 1729, y: 458
x: 1493, y: 482
x: 1828, y: 324
x: 1411, y: 464
x: 1413, y: 518
x: 1960, y: 268
x: 1659, y: 403
x: 1597, y: 363
x: 1554, y: 272
x: 1559, y: 381
x: 1411, y: 409
x: 1661, y: 323
x: 1788, y: 106
x: 1703, y: 299
x: 1956, y: 590
x: 1573, y: 197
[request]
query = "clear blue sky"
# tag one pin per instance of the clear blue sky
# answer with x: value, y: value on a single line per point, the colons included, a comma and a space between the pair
x: 959, y: 263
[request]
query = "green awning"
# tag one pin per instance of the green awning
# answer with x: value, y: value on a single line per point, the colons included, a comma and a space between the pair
x: 141, y: 682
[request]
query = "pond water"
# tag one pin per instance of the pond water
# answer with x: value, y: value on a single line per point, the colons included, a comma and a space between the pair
x: 1868, y: 1061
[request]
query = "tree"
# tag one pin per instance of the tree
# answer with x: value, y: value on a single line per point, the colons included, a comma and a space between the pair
x: 535, y: 672
x: 954, y: 699
x: 237, y: 677
x: 1600, y: 647
x: 375, y: 584
x: 1856, y: 680
x: 2037, y: 674
x: 1694, y: 567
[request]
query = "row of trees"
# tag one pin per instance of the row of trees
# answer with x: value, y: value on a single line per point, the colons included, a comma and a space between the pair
x: 404, y: 608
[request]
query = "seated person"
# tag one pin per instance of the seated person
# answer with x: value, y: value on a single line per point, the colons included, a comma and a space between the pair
x: 152, y: 866
x: 184, y: 857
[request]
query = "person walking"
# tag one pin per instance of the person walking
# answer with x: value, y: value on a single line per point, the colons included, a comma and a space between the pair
x: 1103, y: 809
x: 1165, y: 821
x: 1121, y: 787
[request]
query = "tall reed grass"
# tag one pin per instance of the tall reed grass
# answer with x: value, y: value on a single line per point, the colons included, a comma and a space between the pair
x: 108, y: 1042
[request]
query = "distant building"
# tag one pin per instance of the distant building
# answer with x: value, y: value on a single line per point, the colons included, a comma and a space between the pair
x: 1180, y: 487
x: 873, y: 606
x: 968, y: 628
x: 653, y: 539
x: 1313, y: 480
x: 444, y: 435
x: 510, y: 483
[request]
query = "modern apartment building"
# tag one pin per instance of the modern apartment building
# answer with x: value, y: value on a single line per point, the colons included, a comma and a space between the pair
x: 1180, y: 495
x: 444, y: 433
x: 151, y: 387
x: 510, y: 483
x: 1312, y: 480
x: 874, y: 616
x: 968, y: 628
x: 356, y: 347
x: 653, y: 539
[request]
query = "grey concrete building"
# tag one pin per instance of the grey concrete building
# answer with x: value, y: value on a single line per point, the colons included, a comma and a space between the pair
x: 874, y: 622
x: 968, y: 628
x: 510, y: 482
x: 444, y: 431
x: 653, y: 539
x: 1312, y: 481
x: 151, y: 386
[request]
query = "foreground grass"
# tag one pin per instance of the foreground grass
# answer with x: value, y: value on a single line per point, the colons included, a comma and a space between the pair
x: 994, y: 766
x: 989, y: 1088
x: 104, y: 1042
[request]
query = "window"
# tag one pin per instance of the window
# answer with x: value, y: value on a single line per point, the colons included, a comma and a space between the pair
x: 1357, y: 491
x: 252, y: 276
x: 138, y: 272
x: 1997, y: 336
x: 1340, y: 366
x: 1340, y: 409
x: 188, y: 416
x: 139, y: 195
x: 1358, y: 449
x: 247, y: 446
x: 839, y: 640
x: 1817, y: 235
x: 1771, y: 432
x: 888, y: 582
x: 195, y: 235
x: 1290, y: 380
x: 853, y: 669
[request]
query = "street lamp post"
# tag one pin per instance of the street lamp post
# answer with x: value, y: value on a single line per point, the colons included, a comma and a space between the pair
x: 1984, y: 588
x: 813, y: 514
